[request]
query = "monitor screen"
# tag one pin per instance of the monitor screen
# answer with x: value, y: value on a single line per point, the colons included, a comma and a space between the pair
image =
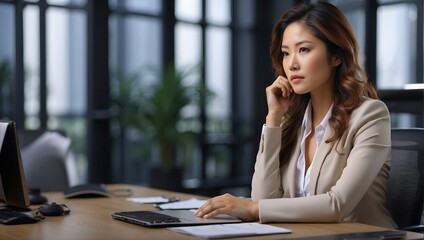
x: 13, y: 189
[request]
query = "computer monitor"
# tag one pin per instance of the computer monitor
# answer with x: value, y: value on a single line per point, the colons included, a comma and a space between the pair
x: 13, y: 190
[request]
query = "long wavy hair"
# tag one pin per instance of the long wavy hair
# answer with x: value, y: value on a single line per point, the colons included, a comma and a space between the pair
x: 327, y: 23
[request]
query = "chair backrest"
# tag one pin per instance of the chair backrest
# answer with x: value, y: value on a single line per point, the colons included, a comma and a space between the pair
x: 44, y: 158
x: 405, y: 196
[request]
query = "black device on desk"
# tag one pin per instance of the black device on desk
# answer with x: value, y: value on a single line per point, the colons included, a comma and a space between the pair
x: 168, y: 218
x: 13, y: 190
x: 12, y: 217
x: 88, y: 190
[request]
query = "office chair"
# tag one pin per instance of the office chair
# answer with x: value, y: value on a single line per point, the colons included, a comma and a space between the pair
x: 47, y: 161
x: 405, y: 196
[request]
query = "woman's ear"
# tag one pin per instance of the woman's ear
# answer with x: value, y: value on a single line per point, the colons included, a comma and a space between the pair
x: 336, y: 60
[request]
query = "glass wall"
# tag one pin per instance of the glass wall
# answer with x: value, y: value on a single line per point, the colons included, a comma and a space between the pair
x: 135, y: 42
x: 135, y: 48
x: 354, y: 11
x: 66, y: 73
x: 54, y: 68
x: 396, y: 56
x: 32, y: 65
x: 7, y: 60
x: 397, y: 49
x: 211, y: 45
x: 52, y: 37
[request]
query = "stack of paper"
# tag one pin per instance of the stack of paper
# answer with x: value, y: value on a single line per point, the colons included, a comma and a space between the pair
x: 230, y: 230
x: 148, y: 199
x: 187, y: 204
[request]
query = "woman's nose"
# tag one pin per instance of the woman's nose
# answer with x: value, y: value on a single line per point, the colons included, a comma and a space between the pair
x: 294, y: 65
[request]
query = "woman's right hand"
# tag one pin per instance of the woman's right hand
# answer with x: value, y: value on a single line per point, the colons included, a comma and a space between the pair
x: 277, y: 96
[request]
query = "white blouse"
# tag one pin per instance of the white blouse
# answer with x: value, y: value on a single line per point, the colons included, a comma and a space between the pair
x: 302, y: 179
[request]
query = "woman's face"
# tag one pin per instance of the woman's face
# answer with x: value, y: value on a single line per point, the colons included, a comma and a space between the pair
x: 305, y: 61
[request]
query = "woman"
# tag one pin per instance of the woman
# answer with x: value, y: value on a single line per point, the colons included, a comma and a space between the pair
x: 325, y: 147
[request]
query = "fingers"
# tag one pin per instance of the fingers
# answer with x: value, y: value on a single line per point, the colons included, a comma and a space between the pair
x: 284, y: 85
x: 280, y: 87
x: 209, y: 209
x: 242, y: 208
x: 213, y: 207
x: 212, y: 211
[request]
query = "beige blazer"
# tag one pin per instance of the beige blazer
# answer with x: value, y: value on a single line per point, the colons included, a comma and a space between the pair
x: 347, y: 184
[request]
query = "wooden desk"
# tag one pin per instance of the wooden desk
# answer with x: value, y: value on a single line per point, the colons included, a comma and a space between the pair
x: 90, y: 218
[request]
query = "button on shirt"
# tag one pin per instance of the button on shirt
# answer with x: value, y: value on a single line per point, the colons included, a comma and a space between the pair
x: 302, y: 179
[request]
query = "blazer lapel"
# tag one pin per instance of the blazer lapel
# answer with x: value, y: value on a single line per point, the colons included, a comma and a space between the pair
x: 323, y: 150
x: 292, y: 168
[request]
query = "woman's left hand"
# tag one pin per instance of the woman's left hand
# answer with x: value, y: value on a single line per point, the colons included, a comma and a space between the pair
x: 241, y: 208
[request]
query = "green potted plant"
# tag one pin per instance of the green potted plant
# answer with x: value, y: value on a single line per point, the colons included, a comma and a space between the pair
x: 155, y: 110
x: 126, y: 100
x: 163, y: 104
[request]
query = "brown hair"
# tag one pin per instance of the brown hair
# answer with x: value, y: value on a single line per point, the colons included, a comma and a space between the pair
x: 327, y: 23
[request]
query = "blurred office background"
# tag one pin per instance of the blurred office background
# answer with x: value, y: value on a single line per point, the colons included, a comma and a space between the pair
x: 79, y: 65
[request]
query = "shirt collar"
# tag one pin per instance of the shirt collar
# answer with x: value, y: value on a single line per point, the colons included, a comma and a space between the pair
x: 307, y: 118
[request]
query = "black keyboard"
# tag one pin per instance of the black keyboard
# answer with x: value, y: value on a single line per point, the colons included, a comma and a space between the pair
x: 11, y: 217
x: 150, y: 216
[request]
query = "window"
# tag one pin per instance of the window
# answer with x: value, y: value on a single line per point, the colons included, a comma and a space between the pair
x: 48, y: 68
x: 32, y: 65
x: 203, y: 35
x: 135, y: 43
x: 398, y: 53
x: 209, y: 30
x: 354, y: 11
x: 7, y: 59
x: 396, y: 56
x: 55, y: 67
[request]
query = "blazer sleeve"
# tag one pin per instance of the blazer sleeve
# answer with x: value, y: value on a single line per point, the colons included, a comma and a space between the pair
x: 362, y: 152
x: 266, y: 181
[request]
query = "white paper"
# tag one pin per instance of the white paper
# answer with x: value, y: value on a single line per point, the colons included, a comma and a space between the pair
x: 148, y: 199
x: 230, y: 230
x: 187, y: 204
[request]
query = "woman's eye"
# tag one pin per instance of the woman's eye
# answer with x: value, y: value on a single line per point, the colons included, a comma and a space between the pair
x: 285, y: 54
x: 303, y: 50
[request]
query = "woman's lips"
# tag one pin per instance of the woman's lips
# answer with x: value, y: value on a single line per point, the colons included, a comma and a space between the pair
x: 296, y: 79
